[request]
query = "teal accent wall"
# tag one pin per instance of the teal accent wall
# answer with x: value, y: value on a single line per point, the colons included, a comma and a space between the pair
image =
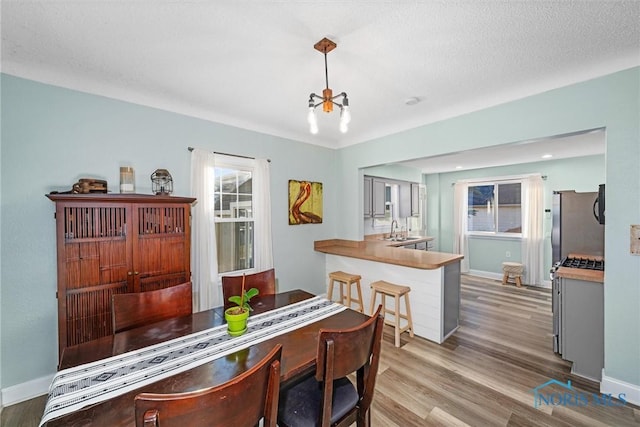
x: 52, y: 136
x: 610, y: 102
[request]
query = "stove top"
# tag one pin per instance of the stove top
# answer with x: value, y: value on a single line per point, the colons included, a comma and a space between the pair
x: 583, y: 263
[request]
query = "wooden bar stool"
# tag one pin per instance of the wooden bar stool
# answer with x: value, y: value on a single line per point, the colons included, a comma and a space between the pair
x: 396, y: 291
x: 512, y: 270
x: 346, y: 279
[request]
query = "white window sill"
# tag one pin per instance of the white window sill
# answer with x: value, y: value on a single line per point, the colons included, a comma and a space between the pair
x: 495, y: 236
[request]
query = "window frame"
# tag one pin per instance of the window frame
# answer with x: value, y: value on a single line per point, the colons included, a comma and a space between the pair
x: 236, y: 167
x: 496, y: 184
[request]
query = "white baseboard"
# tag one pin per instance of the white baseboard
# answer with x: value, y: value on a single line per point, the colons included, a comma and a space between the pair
x: 485, y: 274
x: 615, y: 387
x: 25, y: 391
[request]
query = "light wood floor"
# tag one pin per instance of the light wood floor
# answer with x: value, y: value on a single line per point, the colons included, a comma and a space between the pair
x: 483, y: 375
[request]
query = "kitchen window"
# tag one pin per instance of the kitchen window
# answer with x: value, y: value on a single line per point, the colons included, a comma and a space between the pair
x: 233, y: 217
x: 495, y: 208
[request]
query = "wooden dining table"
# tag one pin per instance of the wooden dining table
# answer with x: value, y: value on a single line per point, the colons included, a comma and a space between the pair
x: 299, y: 348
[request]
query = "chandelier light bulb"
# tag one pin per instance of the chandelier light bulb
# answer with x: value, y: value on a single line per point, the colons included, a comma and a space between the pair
x: 313, y: 120
x: 345, y: 115
x: 311, y: 116
x: 343, y: 127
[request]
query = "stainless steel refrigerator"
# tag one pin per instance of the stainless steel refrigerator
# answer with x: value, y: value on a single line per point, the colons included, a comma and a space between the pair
x: 576, y: 230
x: 576, y: 226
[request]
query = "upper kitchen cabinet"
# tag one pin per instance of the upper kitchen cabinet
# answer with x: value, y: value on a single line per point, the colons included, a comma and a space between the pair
x: 415, y: 199
x: 409, y: 199
x: 374, y: 197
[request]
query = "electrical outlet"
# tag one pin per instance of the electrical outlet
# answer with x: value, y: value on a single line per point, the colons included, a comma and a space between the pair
x: 508, y: 254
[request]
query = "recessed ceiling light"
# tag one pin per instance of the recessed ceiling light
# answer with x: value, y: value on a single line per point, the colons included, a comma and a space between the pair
x: 458, y: 167
x: 547, y: 156
x: 411, y: 101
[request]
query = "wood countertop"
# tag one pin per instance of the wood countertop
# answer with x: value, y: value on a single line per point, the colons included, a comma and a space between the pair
x: 582, y: 274
x: 384, y: 251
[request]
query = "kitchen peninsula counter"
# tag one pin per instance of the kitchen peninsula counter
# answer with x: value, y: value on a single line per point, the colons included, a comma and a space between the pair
x: 387, y: 252
x: 434, y: 279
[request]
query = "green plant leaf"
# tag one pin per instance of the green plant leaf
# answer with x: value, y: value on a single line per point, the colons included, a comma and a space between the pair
x: 247, y: 296
x: 236, y: 300
x: 250, y: 293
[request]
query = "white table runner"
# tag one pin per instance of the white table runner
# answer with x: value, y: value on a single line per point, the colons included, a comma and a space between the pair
x: 75, y: 388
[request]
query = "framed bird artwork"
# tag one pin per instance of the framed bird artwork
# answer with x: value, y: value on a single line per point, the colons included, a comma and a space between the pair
x: 305, y: 202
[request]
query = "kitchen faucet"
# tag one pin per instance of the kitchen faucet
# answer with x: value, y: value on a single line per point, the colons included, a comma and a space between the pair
x: 391, y: 232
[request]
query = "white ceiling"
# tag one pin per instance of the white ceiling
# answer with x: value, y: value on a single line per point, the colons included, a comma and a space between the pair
x: 252, y: 63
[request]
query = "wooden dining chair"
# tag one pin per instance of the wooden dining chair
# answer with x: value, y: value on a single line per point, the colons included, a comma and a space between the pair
x: 240, y: 402
x: 131, y: 310
x: 264, y: 281
x: 340, y: 352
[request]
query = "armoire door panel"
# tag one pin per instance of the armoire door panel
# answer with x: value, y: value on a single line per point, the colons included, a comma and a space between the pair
x: 114, y: 263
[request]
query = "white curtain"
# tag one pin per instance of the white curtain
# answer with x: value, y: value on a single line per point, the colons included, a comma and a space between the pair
x: 263, y: 249
x: 460, y: 214
x: 532, y: 230
x: 204, y: 257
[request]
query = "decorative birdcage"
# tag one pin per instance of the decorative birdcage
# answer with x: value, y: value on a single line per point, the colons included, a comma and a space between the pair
x: 161, y: 182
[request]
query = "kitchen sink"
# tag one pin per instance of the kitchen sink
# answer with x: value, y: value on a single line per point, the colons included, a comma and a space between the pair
x: 401, y: 239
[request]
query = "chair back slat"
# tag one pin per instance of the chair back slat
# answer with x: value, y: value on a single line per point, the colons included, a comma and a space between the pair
x: 353, y: 348
x: 342, y: 352
x: 240, y: 402
x: 142, y: 308
x: 264, y: 281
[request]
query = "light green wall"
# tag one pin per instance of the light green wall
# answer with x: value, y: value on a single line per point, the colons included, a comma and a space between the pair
x: 399, y: 172
x: 1, y: 403
x: 580, y: 174
x: 51, y: 137
x: 611, y: 102
x: 487, y: 255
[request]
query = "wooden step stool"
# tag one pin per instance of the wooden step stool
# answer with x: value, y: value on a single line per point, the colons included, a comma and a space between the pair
x: 396, y: 291
x: 512, y: 270
x: 346, y: 279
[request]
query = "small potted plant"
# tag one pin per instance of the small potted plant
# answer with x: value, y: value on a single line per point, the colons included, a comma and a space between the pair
x: 237, y: 316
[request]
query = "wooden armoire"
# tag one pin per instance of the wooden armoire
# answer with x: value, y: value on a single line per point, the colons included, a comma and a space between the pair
x: 115, y: 243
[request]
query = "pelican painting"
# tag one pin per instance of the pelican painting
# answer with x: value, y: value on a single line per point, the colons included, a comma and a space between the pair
x: 305, y: 202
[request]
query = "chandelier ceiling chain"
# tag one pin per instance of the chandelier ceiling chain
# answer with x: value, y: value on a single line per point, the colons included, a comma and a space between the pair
x: 327, y: 99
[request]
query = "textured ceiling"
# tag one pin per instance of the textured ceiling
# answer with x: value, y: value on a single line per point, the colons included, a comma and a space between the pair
x: 252, y: 63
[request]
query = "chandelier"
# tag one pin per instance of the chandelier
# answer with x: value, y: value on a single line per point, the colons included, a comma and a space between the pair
x: 327, y: 99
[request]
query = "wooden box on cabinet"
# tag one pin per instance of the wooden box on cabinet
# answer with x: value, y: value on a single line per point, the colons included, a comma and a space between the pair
x: 115, y: 243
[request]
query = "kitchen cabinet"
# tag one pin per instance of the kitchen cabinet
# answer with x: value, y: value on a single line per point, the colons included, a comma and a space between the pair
x: 409, y: 199
x: 374, y: 197
x: 115, y: 243
x: 415, y: 199
x: 368, y: 206
x: 422, y: 246
x: 582, y: 326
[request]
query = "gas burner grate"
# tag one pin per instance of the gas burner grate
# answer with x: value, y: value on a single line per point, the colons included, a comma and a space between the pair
x: 584, y: 263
